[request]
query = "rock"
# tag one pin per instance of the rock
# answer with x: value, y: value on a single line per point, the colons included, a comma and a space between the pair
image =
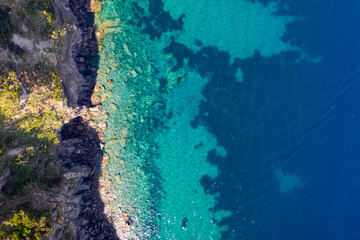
x: 79, y: 150
x: 80, y: 206
x: 111, y: 84
x: 117, y: 178
x: 122, y: 162
x: 133, y: 73
x: 70, y: 175
x: 95, y: 99
x: 102, y: 137
x: 106, y: 157
x: 95, y: 111
x: 85, y: 187
x: 99, y: 35
x: 77, y: 63
x: 114, y: 106
x: 103, y: 125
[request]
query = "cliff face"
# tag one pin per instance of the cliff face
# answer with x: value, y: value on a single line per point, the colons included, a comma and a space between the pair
x: 80, y: 211
x: 78, y: 58
x: 71, y: 202
x: 79, y: 150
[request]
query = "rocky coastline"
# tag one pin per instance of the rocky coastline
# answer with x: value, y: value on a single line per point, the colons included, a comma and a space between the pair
x: 78, y: 58
x: 51, y: 148
x: 80, y: 213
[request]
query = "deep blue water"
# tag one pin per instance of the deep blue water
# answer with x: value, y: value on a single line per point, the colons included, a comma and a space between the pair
x: 290, y: 127
x: 297, y: 116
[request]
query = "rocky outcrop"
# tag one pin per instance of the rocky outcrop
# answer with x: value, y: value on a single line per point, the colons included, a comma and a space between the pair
x: 79, y: 212
x: 78, y: 58
x: 85, y: 53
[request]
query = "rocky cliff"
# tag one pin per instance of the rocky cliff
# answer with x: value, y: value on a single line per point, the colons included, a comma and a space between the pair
x: 78, y: 58
x: 79, y: 150
x: 71, y: 202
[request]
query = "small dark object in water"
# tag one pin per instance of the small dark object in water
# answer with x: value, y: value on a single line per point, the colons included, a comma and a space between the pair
x: 198, y: 43
x: 184, y: 223
x: 129, y: 221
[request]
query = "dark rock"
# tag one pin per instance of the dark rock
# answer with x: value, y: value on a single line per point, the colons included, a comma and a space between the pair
x: 81, y: 165
x: 184, y: 222
x: 82, y: 47
x: 87, y: 50
x: 78, y: 212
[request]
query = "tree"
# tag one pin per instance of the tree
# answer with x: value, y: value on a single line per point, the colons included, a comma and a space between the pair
x: 21, y: 226
x: 6, y: 27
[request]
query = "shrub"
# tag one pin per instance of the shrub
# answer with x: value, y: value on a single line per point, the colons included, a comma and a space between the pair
x: 6, y: 27
x: 41, y: 17
x: 42, y: 5
x: 23, y: 226
x: 16, y: 49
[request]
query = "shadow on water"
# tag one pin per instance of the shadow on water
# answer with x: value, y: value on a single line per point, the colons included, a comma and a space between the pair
x: 262, y: 123
x: 158, y: 21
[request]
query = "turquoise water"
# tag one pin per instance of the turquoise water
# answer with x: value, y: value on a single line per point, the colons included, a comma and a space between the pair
x: 219, y: 114
x: 153, y: 101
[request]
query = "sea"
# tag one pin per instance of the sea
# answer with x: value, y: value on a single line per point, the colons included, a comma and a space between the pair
x: 232, y: 119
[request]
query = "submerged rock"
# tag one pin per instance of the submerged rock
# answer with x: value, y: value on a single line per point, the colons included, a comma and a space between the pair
x: 184, y: 222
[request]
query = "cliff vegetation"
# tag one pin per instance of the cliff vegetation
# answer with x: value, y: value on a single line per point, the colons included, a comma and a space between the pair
x: 32, y: 109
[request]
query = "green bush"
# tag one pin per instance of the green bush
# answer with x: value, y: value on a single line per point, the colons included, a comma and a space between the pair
x: 24, y: 226
x: 32, y: 131
x: 6, y: 27
x: 42, y: 5
x: 16, y: 49
x: 41, y: 18
x: 21, y: 175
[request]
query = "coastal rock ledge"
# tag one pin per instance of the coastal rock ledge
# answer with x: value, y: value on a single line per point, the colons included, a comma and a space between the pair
x: 80, y: 211
x: 78, y: 58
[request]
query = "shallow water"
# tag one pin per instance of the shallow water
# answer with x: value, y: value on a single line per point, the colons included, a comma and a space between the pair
x: 233, y: 119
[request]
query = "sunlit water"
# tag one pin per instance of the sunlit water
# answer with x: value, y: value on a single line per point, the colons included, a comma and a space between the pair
x: 232, y: 119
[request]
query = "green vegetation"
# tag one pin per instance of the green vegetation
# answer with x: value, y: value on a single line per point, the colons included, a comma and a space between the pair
x: 41, y: 13
x: 16, y: 49
x: 6, y: 27
x: 37, y: 15
x: 28, y: 124
x: 31, y: 103
x: 40, y: 5
x: 31, y: 111
x: 23, y: 225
